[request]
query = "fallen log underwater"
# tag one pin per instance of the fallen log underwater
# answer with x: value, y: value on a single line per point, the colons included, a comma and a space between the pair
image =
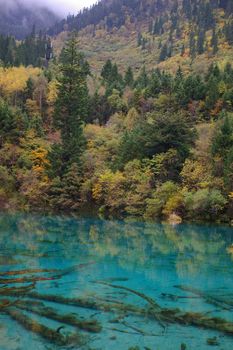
x: 17, y: 291
x: 36, y: 278
x: 41, y: 310
x: 26, y: 299
x: 27, y: 271
x: 166, y: 315
x: 209, y: 299
x: 178, y: 316
x: 43, y: 331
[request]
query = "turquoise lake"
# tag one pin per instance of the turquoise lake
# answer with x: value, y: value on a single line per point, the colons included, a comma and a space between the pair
x: 112, y: 269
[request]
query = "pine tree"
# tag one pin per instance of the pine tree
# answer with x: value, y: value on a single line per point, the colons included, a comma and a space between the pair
x: 144, y: 42
x: 163, y: 53
x: 214, y: 41
x: 65, y: 193
x: 179, y: 76
x: 129, y: 78
x: 222, y: 148
x: 143, y: 79
x: 107, y: 70
x: 8, y: 124
x: 192, y: 45
x: 213, y: 92
x: 139, y: 39
x: 200, y: 42
x: 71, y: 109
x: 187, y: 8
x: 156, y: 27
x: 228, y: 30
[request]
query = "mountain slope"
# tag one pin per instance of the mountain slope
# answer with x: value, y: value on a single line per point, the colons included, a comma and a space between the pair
x: 17, y: 19
x: 163, y: 32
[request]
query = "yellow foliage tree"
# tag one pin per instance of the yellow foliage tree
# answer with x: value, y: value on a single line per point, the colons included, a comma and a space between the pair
x: 109, y: 190
x: 13, y: 80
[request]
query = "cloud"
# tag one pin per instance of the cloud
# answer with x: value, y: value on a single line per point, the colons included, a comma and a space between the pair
x: 62, y: 7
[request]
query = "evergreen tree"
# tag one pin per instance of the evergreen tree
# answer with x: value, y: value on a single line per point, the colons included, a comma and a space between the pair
x: 144, y: 42
x: 179, y: 80
x: 28, y: 91
x: 156, y: 27
x: 228, y: 30
x: 222, y: 148
x: 223, y: 139
x: 213, y: 92
x: 107, y: 70
x: 187, y: 8
x: 65, y: 194
x: 129, y: 78
x: 71, y: 109
x: 200, y: 42
x: 139, y: 39
x: 192, y: 45
x: 143, y: 79
x: 8, y: 124
x: 163, y: 53
x: 214, y: 41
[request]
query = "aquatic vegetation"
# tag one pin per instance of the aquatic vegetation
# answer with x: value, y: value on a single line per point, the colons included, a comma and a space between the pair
x: 15, y: 305
x: 42, y: 310
x: 40, y: 329
x: 98, y: 298
x: 152, y: 310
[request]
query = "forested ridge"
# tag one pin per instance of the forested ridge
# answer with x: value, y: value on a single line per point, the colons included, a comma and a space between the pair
x: 146, y: 141
x: 115, y: 13
x: 184, y: 26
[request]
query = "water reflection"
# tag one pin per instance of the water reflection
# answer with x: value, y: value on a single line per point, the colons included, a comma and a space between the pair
x: 93, y: 256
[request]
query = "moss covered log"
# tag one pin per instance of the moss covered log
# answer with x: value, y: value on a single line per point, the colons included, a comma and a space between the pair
x: 169, y: 316
x: 48, y: 312
x: 43, y: 331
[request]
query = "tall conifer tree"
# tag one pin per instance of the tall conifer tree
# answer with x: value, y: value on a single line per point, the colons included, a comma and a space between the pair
x: 71, y: 109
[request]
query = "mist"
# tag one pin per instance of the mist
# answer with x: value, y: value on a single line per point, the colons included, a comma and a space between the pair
x: 61, y: 7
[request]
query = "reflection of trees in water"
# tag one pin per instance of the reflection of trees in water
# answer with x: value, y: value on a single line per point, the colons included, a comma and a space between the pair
x: 134, y: 244
x: 193, y: 247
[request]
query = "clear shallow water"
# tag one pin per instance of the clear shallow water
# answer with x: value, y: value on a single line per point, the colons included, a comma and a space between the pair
x: 152, y: 259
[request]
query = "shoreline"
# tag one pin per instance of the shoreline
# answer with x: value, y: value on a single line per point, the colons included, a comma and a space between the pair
x: 92, y: 212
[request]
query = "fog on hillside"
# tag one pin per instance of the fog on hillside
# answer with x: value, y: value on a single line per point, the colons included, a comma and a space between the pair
x: 60, y: 6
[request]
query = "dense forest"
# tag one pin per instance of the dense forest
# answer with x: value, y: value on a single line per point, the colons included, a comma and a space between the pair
x: 141, y: 142
x: 115, y: 13
x: 161, y: 16
x: 30, y: 51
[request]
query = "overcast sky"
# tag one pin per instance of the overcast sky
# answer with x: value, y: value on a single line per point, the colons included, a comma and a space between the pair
x: 66, y: 6
x: 63, y: 7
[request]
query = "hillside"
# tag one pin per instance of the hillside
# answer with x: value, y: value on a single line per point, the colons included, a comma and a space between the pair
x: 166, y: 33
x: 17, y: 19
x: 134, y: 118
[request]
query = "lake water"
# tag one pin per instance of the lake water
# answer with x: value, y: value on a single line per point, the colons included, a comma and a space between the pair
x: 110, y: 266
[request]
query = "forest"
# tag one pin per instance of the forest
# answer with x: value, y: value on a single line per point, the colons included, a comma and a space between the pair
x: 143, y: 142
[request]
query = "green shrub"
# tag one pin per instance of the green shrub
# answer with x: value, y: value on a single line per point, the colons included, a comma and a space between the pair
x: 160, y: 196
x: 204, y: 203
